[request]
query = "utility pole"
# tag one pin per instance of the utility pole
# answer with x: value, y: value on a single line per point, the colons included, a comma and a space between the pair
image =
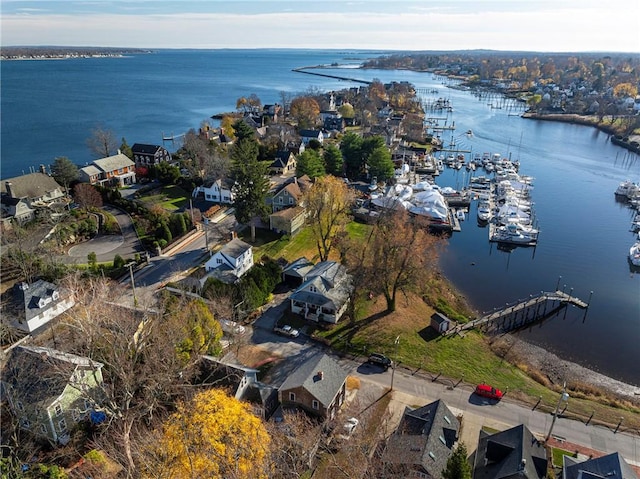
x: 133, y: 284
x: 395, y: 361
x: 563, y: 397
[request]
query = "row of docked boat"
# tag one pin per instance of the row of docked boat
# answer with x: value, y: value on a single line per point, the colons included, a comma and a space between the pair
x: 504, y: 203
x: 629, y: 192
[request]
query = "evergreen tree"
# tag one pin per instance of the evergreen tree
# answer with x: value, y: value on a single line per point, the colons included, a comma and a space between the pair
x: 250, y: 175
x: 310, y: 163
x: 125, y: 149
x: 64, y: 171
x: 380, y: 164
x: 351, y: 148
x: 458, y: 466
x: 333, y: 162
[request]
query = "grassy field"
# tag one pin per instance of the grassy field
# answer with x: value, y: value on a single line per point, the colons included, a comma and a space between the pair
x: 171, y: 198
x: 469, y: 358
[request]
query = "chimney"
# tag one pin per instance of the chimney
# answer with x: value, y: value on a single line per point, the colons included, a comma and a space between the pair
x: 43, y: 169
x: 8, y: 185
x: 523, y: 464
x: 320, y: 375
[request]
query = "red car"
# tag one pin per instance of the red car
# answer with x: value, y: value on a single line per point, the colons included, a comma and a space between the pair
x: 487, y: 391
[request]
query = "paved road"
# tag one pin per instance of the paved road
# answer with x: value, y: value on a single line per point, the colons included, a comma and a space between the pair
x: 419, y: 389
x: 106, y: 247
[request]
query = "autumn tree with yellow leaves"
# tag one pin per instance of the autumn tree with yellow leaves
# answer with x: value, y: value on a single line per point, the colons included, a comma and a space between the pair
x: 214, y: 436
x: 328, y: 204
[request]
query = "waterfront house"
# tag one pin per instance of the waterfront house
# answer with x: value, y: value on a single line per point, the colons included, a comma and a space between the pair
x: 21, y: 195
x: 511, y: 453
x: 117, y: 170
x: 317, y: 386
x: 50, y: 391
x: 422, y: 443
x: 217, y: 192
x: 230, y: 262
x: 324, y: 293
x: 149, y: 155
x: 35, y: 305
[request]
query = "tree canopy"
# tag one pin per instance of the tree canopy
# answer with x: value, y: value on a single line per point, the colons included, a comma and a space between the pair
x: 380, y: 164
x: 458, y: 466
x: 213, y: 436
x: 250, y: 175
x: 305, y: 110
x: 328, y: 205
x: 310, y: 163
x: 333, y: 162
x: 102, y: 142
x: 64, y: 171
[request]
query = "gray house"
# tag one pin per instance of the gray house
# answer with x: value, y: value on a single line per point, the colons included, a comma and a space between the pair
x: 422, y: 442
x: 511, y: 453
x: 324, y: 293
x: 318, y: 386
x: 605, y: 467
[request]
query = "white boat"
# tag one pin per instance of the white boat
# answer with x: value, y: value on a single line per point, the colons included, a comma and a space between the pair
x: 484, y: 211
x: 634, y: 254
x: 627, y: 189
x: 460, y: 215
x: 514, y: 233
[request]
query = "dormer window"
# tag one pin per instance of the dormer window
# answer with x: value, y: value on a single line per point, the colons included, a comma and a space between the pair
x: 58, y: 409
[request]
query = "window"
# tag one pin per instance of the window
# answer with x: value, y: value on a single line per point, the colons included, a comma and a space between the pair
x: 58, y: 410
x: 292, y: 396
x: 219, y: 260
x: 315, y: 404
x: 280, y: 200
x: 290, y: 201
x: 19, y: 406
x: 313, y: 289
x: 62, y: 425
x: 75, y: 415
x: 25, y: 423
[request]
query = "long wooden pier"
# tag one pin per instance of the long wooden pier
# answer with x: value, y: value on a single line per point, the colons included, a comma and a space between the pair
x: 522, y: 313
x: 336, y: 77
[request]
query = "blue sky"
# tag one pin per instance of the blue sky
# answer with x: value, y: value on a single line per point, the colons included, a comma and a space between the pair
x: 554, y: 26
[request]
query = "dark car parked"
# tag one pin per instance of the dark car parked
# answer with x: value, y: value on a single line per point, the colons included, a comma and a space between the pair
x: 380, y: 360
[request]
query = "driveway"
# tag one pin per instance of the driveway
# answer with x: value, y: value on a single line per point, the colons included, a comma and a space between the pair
x: 106, y: 247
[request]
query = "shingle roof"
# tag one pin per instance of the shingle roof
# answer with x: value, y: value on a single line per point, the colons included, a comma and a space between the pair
x: 33, y: 185
x: 324, y: 388
x: 91, y: 170
x: 39, y: 374
x: 235, y: 248
x: 300, y: 267
x: 289, y: 213
x: 112, y: 163
x: 28, y: 296
x: 424, y: 438
x: 143, y: 149
x: 512, y: 452
x: 332, y: 283
x: 612, y: 465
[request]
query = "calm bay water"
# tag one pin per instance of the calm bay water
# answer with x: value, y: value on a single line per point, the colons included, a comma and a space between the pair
x: 50, y: 107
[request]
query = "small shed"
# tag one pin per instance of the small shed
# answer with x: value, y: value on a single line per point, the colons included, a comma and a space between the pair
x: 440, y: 322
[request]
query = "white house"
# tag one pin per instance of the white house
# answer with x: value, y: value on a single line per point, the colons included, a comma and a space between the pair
x: 218, y: 192
x: 308, y: 135
x: 324, y: 293
x: 230, y: 262
x: 36, y: 304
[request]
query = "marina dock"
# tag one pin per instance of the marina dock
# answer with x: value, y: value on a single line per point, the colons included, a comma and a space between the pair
x: 523, y: 313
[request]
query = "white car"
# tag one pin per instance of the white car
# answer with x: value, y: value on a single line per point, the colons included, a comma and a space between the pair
x: 231, y: 327
x: 348, y: 428
x: 287, y: 330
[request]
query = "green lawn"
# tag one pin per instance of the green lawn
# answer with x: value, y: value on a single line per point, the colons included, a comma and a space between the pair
x: 171, y: 198
x: 558, y: 454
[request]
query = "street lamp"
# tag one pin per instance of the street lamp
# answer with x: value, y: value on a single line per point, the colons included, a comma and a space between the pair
x: 563, y: 397
x: 393, y: 365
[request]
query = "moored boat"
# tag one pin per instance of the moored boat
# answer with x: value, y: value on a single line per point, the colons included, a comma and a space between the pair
x: 634, y: 254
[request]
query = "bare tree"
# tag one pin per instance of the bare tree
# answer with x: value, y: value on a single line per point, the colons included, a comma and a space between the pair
x: 102, y: 142
x: 87, y: 196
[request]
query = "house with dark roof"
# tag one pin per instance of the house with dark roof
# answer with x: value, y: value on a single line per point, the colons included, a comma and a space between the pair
x: 605, y: 467
x: 324, y: 293
x: 289, y: 195
x: 308, y: 135
x: 318, y: 386
x: 148, y: 155
x: 50, y: 391
x: 230, y: 262
x: 512, y: 453
x: 422, y: 443
x: 241, y: 382
x: 284, y: 163
x: 116, y: 170
x: 21, y: 195
x: 34, y: 305
x: 296, y: 272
